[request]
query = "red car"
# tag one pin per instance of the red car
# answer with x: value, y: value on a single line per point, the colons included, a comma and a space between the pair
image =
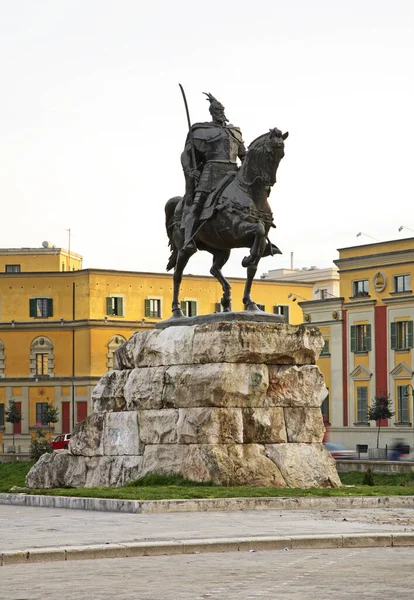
x: 61, y: 442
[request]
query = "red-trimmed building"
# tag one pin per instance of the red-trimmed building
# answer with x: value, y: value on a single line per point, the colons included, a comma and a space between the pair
x: 368, y: 334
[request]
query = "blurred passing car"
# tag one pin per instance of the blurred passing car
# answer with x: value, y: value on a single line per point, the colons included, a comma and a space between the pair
x: 339, y: 452
x: 61, y: 442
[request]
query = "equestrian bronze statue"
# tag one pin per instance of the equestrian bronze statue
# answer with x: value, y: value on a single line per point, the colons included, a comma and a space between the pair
x: 225, y: 206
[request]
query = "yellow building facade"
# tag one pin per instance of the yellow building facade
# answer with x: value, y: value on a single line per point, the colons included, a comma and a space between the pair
x: 60, y: 327
x: 369, y: 342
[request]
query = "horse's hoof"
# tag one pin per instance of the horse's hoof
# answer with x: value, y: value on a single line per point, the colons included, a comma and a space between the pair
x: 252, y: 307
x: 248, y: 261
x: 177, y: 313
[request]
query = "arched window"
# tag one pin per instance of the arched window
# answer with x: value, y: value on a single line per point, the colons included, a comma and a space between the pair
x: 41, y: 358
x: 113, y: 344
x: 2, y: 358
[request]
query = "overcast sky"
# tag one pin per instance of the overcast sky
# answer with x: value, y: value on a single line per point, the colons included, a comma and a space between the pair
x: 92, y: 121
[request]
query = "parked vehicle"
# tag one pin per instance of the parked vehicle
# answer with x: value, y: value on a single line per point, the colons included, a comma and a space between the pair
x: 61, y: 442
x: 339, y: 452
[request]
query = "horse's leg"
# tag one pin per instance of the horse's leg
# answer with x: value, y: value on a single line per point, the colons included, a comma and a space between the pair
x: 249, y: 304
x: 182, y: 260
x: 220, y: 257
x: 255, y: 254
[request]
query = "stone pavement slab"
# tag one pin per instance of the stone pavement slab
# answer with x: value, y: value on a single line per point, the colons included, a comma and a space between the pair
x: 343, y: 574
x: 23, y: 527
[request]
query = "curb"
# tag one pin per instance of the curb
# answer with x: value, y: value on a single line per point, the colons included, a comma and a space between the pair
x: 208, y: 504
x: 133, y: 550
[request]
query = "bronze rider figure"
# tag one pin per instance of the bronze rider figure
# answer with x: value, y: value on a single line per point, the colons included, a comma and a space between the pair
x: 217, y: 146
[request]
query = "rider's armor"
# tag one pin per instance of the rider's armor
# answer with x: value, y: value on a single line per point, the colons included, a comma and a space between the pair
x: 217, y: 147
x: 222, y: 146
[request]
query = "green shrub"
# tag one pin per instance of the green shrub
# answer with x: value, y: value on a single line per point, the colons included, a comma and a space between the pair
x: 368, y: 478
x: 39, y: 444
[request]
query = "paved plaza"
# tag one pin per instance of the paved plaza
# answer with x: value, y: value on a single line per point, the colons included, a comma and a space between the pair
x: 319, y: 573
x: 375, y: 573
x: 24, y: 527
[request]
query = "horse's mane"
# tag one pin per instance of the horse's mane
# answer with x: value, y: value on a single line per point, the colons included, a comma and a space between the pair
x: 259, y: 141
x: 262, y: 139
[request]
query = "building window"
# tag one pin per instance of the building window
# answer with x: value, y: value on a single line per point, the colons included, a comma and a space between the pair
x: 41, y: 358
x: 12, y: 268
x: 41, y: 408
x: 115, y: 306
x: 261, y: 307
x: 189, y: 308
x: 360, y: 288
x: 362, y: 404
x: 325, y: 349
x: 325, y: 409
x: 360, y: 338
x: 402, y: 335
x: 113, y: 345
x: 1, y: 415
x: 323, y: 294
x: 403, y: 410
x: 282, y: 309
x: 41, y: 307
x: 63, y: 266
x: 153, y: 308
x: 402, y: 283
x: 42, y: 361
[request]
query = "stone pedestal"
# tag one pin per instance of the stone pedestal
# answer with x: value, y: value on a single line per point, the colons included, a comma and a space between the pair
x: 234, y: 403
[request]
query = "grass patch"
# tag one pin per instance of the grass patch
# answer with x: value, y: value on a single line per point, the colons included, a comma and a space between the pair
x: 380, y: 479
x: 13, y: 473
x: 159, y: 487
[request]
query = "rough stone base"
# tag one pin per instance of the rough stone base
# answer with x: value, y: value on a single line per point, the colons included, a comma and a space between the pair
x: 231, y: 403
x: 271, y: 465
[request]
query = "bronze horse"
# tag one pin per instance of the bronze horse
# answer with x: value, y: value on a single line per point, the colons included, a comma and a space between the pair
x: 241, y: 218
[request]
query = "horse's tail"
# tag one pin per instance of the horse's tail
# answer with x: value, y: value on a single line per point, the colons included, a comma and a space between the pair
x: 169, y: 216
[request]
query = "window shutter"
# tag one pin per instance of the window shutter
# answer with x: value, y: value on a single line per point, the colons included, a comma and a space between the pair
x: 193, y: 308
x: 109, y: 306
x: 365, y: 403
x: 32, y: 307
x: 147, y: 307
x: 184, y: 307
x: 410, y: 334
x: 394, y: 336
x: 353, y: 338
x: 275, y: 309
x: 405, y: 413
x: 368, y: 337
x: 218, y: 307
x: 49, y: 307
x: 286, y: 313
x: 120, y: 307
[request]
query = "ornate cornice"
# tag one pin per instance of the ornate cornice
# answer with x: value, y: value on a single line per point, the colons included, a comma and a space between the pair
x: 360, y: 303
x: 398, y: 299
x: 375, y: 261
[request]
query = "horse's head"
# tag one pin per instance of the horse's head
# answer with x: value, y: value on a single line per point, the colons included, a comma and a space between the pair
x: 264, y: 155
